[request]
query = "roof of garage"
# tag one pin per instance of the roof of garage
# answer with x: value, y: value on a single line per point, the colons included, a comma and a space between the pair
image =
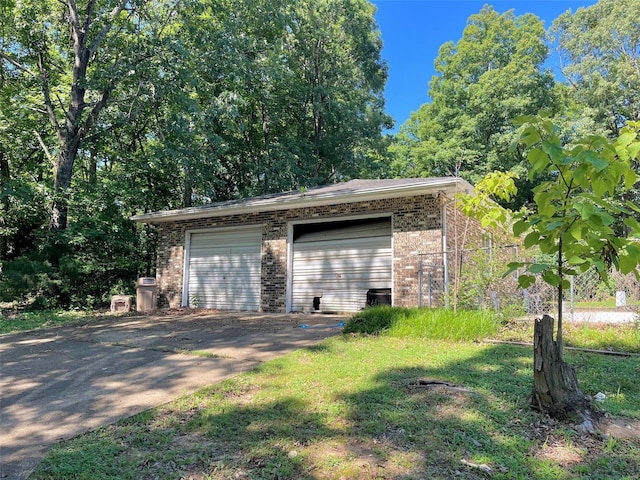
x: 346, y: 192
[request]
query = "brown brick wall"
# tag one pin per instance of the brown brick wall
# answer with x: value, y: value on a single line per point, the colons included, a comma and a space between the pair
x: 416, y: 223
x: 467, y: 231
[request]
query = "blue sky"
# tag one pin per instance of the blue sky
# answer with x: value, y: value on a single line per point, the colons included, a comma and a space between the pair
x: 413, y: 30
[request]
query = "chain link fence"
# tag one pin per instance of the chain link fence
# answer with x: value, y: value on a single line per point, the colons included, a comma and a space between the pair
x: 475, y: 279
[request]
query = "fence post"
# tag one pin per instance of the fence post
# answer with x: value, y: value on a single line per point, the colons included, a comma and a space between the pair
x: 445, y: 286
x: 572, y: 295
x: 420, y: 284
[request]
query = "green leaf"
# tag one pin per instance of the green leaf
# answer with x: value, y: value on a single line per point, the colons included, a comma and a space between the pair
x: 554, y: 150
x: 628, y: 263
x: 552, y: 226
x: 525, y: 281
x: 634, y: 150
x: 630, y: 179
x: 520, y: 227
x: 530, y: 136
x: 531, y: 239
x: 633, y: 224
x: 633, y: 206
x: 585, y: 210
x: 538, y: 160
x: 575, y: 260
x: 547, y: 210
x: 626, y: 138
x: 551, y: 278
x: 634, y: 250
x: 576, y: 231
x: 539, y: 267
x: 512, y: 267
x: 524, y: 119
x: 598, y: 163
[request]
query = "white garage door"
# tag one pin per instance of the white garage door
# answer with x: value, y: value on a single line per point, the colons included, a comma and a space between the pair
x: 224, y: 270
x: 334, y: 268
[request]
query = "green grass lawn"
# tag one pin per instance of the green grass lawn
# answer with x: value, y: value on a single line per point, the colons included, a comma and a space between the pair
x: 350, y: 408
x: 21, y: 321
x: 611, y: 337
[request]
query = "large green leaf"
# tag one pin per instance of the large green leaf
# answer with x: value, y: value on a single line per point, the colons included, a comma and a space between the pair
x: 531, y: 239
x: 526, y: 281
x: 520, y: 227
x: 539, y: 267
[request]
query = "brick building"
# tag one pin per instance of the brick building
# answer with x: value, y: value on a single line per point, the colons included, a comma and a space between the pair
x: 332, y: 248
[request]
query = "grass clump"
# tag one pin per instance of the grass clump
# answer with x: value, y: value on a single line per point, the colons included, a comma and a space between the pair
x: 436, y: 324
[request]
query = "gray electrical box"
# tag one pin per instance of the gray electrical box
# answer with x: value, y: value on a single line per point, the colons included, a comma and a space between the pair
x: 146, y: 294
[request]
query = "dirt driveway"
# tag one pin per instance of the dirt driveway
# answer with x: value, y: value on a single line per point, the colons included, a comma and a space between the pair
x: 60, y: 382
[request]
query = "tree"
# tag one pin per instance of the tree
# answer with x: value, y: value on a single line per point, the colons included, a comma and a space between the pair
x: 78, y: 54
x: 110, y: 108
x: 573, y: 220
x: 493, y: 74
x: 600, y: 51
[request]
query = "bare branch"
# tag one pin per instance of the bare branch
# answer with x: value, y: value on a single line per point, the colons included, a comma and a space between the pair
x: 97, y: 108
x: 47, y: 95
x: 37, y: 110
x: 73, y: 13
x: 16, y: 64
x: 105, y: 29
x: 46, y: 150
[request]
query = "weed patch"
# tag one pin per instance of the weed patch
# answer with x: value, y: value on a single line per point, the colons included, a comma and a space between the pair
x: 438, y: 324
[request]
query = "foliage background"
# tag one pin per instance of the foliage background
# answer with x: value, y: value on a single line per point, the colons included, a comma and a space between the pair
x: 182, y: 103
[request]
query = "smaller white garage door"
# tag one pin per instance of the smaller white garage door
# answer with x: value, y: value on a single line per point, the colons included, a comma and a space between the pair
x: 224, y: 270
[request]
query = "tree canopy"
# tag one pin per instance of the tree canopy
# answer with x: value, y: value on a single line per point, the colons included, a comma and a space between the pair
x: 599, y: 47
x: 493, y: 74
x: 112, y: 108
x: 109, y: 108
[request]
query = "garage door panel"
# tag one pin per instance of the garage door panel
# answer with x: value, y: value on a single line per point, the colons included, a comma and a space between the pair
x: 225, y: 269
x: 340, y: 266
x: 228, y: 265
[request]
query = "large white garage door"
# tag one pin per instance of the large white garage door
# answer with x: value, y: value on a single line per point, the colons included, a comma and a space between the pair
x: 224, y: 270
x: 335, y: 266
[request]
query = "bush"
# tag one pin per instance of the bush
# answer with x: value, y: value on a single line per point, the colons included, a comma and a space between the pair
x: 375, y: 320
x: 100, y: 254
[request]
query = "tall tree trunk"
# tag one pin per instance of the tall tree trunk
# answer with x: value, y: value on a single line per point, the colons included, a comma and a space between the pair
x: 5, y: 175
x: 92, y: 167
x: 75, y: 125
x: 62, y: 181
x: 187, y: 193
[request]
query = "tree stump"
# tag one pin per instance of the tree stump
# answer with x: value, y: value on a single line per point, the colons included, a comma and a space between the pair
x: 555, y: 383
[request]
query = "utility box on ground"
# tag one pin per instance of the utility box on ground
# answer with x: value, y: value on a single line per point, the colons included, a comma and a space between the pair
x: 120, y: 303
x: 146, y: 294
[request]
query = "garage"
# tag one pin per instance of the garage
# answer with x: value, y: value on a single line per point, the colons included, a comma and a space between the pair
x: 341, y: 266
x: 331, y: 248
x: 223, y: 269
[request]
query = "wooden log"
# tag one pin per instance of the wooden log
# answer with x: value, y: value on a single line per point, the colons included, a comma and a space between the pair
x: 555, y: 383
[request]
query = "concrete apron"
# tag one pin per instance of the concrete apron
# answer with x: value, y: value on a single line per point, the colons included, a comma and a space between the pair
x: 58, y: 383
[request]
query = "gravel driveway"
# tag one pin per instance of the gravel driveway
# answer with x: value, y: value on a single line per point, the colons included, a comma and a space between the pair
x: 58, y: 383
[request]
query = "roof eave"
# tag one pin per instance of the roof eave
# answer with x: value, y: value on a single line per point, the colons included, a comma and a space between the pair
x: 447, y: 186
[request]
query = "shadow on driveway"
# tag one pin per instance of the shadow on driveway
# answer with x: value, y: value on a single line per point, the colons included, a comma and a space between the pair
x: 61, y: 382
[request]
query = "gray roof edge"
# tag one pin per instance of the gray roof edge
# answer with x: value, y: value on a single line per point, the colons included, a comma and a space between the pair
x: 301, y: 199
